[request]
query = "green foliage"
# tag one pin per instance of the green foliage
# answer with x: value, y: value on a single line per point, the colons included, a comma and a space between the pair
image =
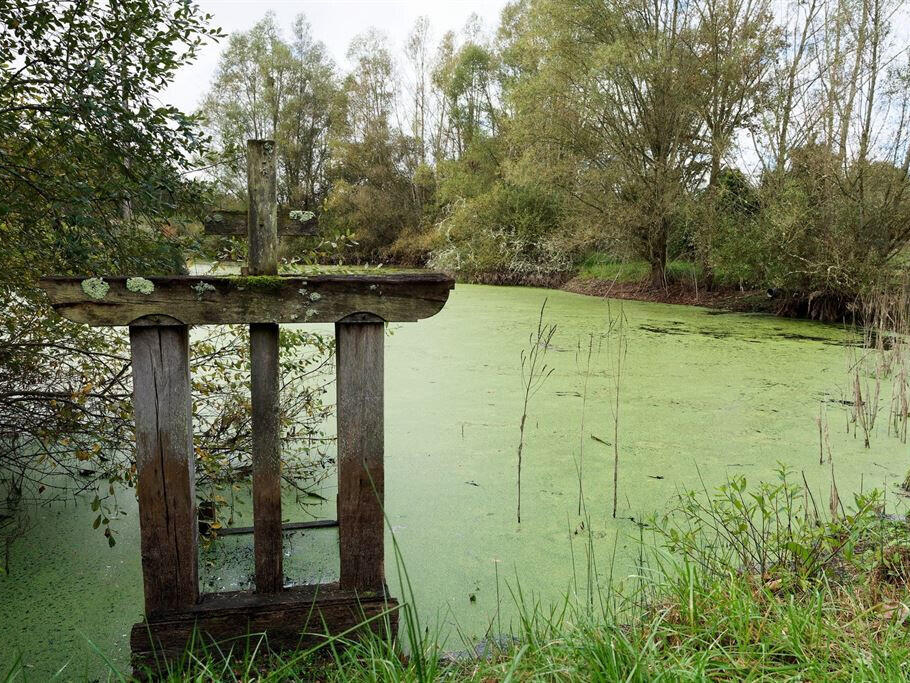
x: 517, y: 222
x: 268, y: 87
x: 93, y: 171
x: 772, y: 530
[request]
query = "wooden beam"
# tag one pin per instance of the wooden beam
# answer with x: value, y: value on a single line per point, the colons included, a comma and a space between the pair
x: 359, y: 406
x: 265, y: 382
x: 165, y: 465
x: 398, y: 297
x: 287, y: 526
x: 298, y: 617
x: 233, y: 222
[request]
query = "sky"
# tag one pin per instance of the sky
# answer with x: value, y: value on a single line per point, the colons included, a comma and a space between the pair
x: 334, y: 22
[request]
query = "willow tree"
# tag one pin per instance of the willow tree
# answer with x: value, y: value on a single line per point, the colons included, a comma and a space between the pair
x: 618, y: 93
x: 268, y: 86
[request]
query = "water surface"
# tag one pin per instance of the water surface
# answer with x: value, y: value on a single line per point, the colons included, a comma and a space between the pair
x: 703, y: 396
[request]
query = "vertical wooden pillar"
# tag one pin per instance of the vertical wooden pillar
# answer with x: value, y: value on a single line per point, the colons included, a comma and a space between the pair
x: 165, y: 464
x: 263, y: 260
x: 359, y: 358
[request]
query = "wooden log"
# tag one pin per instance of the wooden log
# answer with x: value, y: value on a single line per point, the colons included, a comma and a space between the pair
x: 264, y: 390
x: 398, y: 297
x: 233, y: 222
x: 287, y: 526
x: 359, y: 406
x: 298, y: 617
x: 165, y: 466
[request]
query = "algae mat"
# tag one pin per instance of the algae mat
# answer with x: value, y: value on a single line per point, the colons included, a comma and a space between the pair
x: 703, y: 395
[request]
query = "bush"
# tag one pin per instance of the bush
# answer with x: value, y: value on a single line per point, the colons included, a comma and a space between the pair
x: 509, y: 229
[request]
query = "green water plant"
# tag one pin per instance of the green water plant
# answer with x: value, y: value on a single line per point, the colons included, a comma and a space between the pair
x: 534, y: 372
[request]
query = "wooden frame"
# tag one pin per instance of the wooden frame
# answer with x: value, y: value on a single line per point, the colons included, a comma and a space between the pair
x: 158, y: 312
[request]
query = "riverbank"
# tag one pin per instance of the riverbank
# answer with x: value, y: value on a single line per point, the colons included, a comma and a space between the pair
x: 678, y: 293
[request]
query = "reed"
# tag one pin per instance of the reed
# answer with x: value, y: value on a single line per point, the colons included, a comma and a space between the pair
x: 534, y: 372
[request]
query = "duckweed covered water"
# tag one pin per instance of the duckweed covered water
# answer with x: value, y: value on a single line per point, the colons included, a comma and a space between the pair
x: 705, y: 396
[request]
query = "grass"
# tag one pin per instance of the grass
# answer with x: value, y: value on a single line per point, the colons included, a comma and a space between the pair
x: 600, y: 266
x: 744, y: 583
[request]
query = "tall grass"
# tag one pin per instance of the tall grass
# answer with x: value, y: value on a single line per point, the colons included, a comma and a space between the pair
x: 617, y: 332
x: 736, y: 583
x: 534, y: 372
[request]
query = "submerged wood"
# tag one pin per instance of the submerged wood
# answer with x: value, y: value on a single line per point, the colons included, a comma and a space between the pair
x: 201, y: 300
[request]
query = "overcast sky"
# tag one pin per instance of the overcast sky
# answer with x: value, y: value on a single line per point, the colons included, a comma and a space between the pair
x: 334, y: 22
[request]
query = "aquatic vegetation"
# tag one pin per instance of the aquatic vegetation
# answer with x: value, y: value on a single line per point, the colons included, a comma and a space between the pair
x: 725, y: 395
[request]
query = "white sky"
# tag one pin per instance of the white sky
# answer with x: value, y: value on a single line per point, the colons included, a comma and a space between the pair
x: 335, y: 23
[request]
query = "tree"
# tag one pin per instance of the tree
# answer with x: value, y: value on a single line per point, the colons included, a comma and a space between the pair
x: 266, y: 87
x: 735, y: 43
x: 372, y: 191
x: 619, y: 94
x: 82, y: 133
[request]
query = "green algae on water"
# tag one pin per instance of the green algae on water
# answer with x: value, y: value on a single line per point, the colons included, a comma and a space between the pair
x: 718, y: 396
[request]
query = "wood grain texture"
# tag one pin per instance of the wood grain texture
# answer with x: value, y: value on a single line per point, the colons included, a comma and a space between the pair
x: 297, y: 617
x: 233, y: 222
x: 264, y: 392
x: 264, y: 389
x: 263, y: 212
x: 165, y: 465
x: 359, y: 408
x: 405, y: 297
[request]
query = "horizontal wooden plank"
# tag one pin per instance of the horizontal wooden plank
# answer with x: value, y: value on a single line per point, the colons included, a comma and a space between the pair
x: 392, y: 297
x: 296, y: 617
x: 233, y: 222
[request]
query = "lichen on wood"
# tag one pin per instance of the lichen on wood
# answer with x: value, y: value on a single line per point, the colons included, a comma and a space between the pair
x: 140, y: 285
x: 95, y: 288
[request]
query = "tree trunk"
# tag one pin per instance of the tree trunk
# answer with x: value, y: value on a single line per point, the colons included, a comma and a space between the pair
x: 657, y: 255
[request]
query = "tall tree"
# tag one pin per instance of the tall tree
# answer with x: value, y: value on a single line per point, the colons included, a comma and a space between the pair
x: 372, y: 193
x: 620, y: 93
x: 267, y: 87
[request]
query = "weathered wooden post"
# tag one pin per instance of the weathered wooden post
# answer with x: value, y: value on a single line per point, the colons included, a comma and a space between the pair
x: 263, y: 260
x: 158, y: 312
x: 359, y: 406
x: 165, y: 463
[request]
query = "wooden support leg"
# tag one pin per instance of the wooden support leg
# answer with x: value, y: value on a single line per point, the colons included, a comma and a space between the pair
x: 165, y: 464
x: 359, y: 356
x: 267, y: 539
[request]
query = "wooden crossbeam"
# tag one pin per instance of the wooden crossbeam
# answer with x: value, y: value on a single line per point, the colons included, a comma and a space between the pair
x: 291, y: 222
x: 294, y: 619
x: 393, y: 297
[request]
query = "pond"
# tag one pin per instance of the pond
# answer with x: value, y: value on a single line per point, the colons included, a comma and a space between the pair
x: 704, y: 396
